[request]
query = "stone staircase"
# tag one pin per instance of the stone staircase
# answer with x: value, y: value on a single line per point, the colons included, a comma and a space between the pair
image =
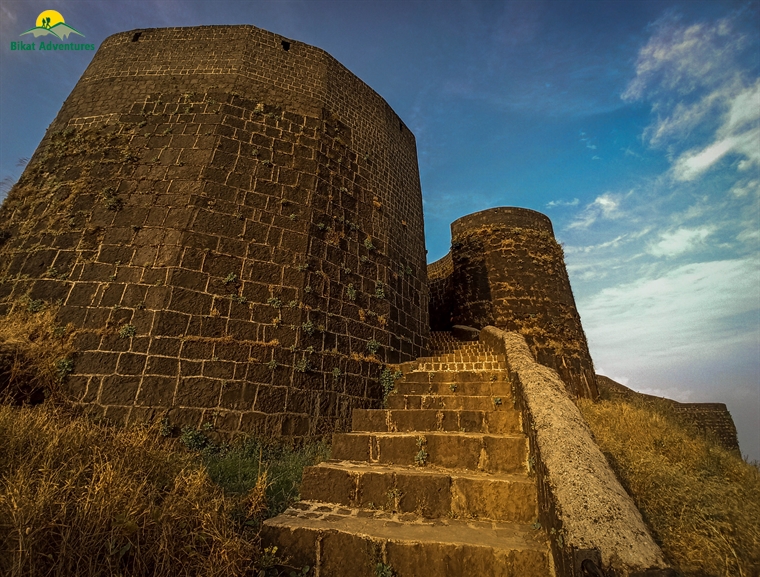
x: 434, y: 485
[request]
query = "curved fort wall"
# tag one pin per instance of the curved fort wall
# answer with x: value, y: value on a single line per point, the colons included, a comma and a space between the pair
x: 506, y: 269
x: 232, y: 222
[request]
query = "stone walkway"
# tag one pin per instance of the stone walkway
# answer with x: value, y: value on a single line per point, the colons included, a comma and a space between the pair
x: 434, y: 485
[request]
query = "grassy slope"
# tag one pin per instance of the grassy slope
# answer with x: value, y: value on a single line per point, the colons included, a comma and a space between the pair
x: 81, y: 498
x: 701, y: 502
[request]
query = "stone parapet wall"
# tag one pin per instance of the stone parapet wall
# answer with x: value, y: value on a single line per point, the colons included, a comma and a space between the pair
x: 710, y: 418
x: 232, y: 222
x: 587, y: 512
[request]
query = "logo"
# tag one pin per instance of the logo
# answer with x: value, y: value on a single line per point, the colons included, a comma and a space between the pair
x: 51, y: 23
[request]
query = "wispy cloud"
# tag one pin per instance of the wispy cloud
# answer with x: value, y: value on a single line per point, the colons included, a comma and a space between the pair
x: 608, y: 244
x: 679, y: 59
x: 746, y: 187
x: 8, y: 21
x: 692, y: 78
x: 675, y: 393
x: 606, y: 206
x: 679, y: 241
x: 555, y: 203
x: 687, y: 312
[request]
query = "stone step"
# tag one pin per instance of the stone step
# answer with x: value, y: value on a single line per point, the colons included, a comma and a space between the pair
x: 426, y: 491
x: 450, y: 402
x: 401, y: 420
x: 458, y: 358
x: 457, y: 366
x: 340, y: 542
x: 438, y: 348
x: 453, y: 450
x: 453, y: 377
x: 455, y: 350
x: 477, y: 388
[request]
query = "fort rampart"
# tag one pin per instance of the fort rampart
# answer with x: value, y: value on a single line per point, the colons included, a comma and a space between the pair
x: 232, y: 221
x: 710, y: 418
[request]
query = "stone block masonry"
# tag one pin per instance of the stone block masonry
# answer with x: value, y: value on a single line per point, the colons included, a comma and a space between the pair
x: 712, y: 419
x: 506, y: 269
x: 233, y: 223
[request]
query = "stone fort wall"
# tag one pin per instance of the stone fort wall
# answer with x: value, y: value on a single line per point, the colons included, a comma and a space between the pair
x: 505, y: 269
x: 710, y: 418
x: 232, y: 222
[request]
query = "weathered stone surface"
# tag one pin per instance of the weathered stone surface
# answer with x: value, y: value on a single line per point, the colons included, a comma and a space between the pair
x: 399, y: 488
x: 580, y: 496
x: 350, y: 543
x: 505, y: 269
x: 710, y: 418
x: 233, y: 191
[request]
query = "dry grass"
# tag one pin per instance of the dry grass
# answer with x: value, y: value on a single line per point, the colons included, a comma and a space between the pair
x: 701, y: 502
x: 34, y: 352
x: 77, y: 498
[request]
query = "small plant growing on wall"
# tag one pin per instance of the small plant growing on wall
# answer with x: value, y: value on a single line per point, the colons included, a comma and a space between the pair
x: 308, y: 327
x: 351, y: 292
x: 110, y: 200
x: 127, y: 331
x: 373, y: 346
x: 388, y: 380
x: 368, y: 244
x: 422, y: 455
x: 63, y: 368
x: 380, y: 290
x: 302, y: 365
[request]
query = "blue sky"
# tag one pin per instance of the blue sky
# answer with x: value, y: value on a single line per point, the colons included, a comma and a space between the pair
x: 634, y: 125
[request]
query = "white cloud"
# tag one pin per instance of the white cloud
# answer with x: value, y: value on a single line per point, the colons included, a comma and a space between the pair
x: 689, y: 312
x: 606, y: 205
x: 607, y: 244
x: 690, y: 165
x: 745, y: 108
x: 675, y: 393
x: 680, y: 241
x: 553, y: 203
x: 683, y: 58
x: 617, y: 379
x: 691, y: 76
x: 749, y: 235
